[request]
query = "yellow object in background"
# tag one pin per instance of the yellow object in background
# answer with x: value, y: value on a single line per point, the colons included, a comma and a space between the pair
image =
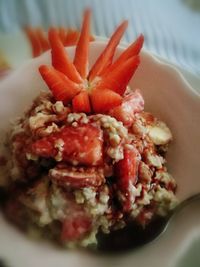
x: 4, y: 65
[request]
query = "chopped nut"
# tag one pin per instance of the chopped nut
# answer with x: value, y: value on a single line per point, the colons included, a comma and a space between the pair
x: 160, y: 133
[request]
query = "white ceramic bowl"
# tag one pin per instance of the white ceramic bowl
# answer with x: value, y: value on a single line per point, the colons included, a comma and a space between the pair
x: 169, y: 97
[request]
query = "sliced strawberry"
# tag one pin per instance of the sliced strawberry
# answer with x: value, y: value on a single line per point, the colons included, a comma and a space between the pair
x: 71, y: 37
x: 79, y: 145
x: 42, y: 39
x: 104, y: 100
x: 75, y: 227
x: 62, y: 88
x: 118, y: 79
x: 131, y: 51
x: 81, y: 102
x: 44, y: 148
x: 78, y: 177
x: 92, y: 39
x: 106, y: 57
x: 126, y: 173
x: 82, y: 48
x: 130, y: 105
x: 60, y: 59
x: 62, y: 34
x: 35, y: 42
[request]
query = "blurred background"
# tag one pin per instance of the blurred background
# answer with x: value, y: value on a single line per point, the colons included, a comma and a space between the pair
x: 171, y: 28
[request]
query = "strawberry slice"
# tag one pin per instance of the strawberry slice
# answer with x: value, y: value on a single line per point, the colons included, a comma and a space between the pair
x: 117, y: 79
x: 42, y: 39
x: 78, y: 177
x: 104, y: 100
x: 35, y: 42
x: 130, y: 105
x: 106, y: 57
x: 43, y: 148
x: 81, y: 102
x: 62, y: 34
x: 71, y: 37
x: 75, y: 227
x: 82, y: 48
x: 62, y: 88
x: 131, y: 51
x: 60, y: 58
x: 79, y: 145
x: 126, y: 172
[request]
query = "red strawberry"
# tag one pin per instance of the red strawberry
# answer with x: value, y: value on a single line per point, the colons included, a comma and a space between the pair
x: 105, y: 59
x: 103, y: 100
x: 130, y: 105
x: 77, y: 177
x: 62, y: 88
x: 42, y: 39
x: 35, y: 42
x: 75, y: 227
x: 118, y: 79
x: 71, y: 37
x: 82, y: 48
x: 126, y: 172
x: 79, y: 145
x: 62, y: 34
x: 44, y: 148
x: 60, y: 59
x: 131, y: 51
x: 81, y: 102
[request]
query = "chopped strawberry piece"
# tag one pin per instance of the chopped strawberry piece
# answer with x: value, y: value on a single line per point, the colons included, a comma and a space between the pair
x: 44, y: 148
x: 106, y: 57
x: 75, y: 227
x: 77, y: 177
x: 130, y: 105
x: 81, y: 102
x: 42, y: 39
x: 79, y: 145
x: 131, y: 51
x: 60, y: 58
x: 126, y: 172
x: 62, y: 34
x: 118, y: 79
x: 104, y: 100
x: 62, y: 88
x: 82, y: 48
x: 71, y: 37
x: 35, y: 42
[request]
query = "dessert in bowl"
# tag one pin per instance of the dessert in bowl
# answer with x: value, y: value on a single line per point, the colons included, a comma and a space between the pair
x: 85, y: 158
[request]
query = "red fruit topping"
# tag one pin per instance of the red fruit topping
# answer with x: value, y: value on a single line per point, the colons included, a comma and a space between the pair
x: 62, y: 88
x: 60, y: 59
x: 75, y: 227
x: 126, y: 172
x: 71, y: 37
x: 131, y: 104
x: 81, y: 102
x: 129, y: 52
x: 103, y: 100
x: 82, y: 48
x: 78, y: 145
x: 118, y: 79
x: 106, y: 57
x: 35, y: 42
x: 77, y: 177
